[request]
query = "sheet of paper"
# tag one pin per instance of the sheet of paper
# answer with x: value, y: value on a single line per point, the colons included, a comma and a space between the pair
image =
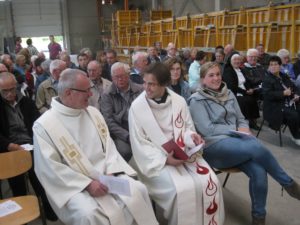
x: 9, y: 207
x: 27, y: 147
x: 240, y: 134
x: 116, y: 185
x: 192, y: 151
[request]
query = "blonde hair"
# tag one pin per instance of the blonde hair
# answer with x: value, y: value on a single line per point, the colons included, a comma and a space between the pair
x: 206, y: 67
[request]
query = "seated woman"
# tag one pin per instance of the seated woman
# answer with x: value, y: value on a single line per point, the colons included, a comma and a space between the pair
x: 216, y: 112
x: 178, y: 84
x: 236, y: 81
x: 281, y: 100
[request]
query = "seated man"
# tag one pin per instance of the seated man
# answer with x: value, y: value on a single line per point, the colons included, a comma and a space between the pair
x: 48, y: 88
x: 188, y: 191
x: 72, y: 149
x: 100, y: 84
x: 17, y: 114
x: 115, y: 104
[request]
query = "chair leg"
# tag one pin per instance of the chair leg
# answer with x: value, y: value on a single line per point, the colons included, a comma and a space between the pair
x: 226, y: 179
x: 280, y: 138
x: 1, y: 195
x: 261, y: 125
x: 42, y: 210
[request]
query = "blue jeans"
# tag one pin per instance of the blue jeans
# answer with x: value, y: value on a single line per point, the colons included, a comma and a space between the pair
x: 255, y: 160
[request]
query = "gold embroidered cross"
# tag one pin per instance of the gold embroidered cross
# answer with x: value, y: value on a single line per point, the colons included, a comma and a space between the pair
x: 73, y: 155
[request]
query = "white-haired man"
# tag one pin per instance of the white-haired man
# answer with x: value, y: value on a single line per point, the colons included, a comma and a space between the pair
x: 48, y: 88
x: 139, y: 62
x: 115, y: 104
x: 73, y: 149
x: 100, y: 84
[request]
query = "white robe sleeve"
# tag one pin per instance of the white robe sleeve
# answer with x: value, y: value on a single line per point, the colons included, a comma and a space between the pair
x: 149, y: 157
x: 58, y: 179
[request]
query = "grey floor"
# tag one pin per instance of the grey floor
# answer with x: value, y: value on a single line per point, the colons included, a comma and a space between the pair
x: 281, y: 210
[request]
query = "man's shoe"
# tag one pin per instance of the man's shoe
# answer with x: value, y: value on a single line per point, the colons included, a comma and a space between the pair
x: 293, y: 190
x: 296, y: 140
x: 258, y: 221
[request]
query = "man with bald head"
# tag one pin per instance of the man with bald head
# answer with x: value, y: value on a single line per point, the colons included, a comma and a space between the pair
x: 100, y: 84
x: 73, y: 149
x: 171, y: 50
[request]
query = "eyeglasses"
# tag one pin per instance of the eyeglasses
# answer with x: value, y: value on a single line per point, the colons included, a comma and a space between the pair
x: 83, y: 91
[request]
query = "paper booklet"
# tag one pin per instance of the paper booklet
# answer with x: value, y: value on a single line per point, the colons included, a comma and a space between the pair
x: 116, y: 185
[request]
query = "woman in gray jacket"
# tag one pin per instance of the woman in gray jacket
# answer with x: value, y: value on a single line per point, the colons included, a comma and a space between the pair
x: 229, y: 142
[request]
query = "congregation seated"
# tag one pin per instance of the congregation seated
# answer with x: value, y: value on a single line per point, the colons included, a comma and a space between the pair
x: 73, y: 148
x: 83, y: 60
x: 254, y: 72
x: 114, y: 105
x: 281, y: 100
x: 111, y: 58
x: 195, y: 68
x: 139, y: 64
x: 263, y: 57
x: 235, y: 79
x: 178, y: 84
x: 158, y: 120
x: 153, y: 56
x: 100, y: 84
x: 216, y: 114
x: 48, y: 88
x: 296, y: 68
x: 286, y: 66
x: 64, y: 56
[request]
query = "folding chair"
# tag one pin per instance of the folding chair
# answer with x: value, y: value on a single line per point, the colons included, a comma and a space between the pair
x: 13, y: 164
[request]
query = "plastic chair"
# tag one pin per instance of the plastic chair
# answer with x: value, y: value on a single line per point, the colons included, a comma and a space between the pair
x: 13, y: 164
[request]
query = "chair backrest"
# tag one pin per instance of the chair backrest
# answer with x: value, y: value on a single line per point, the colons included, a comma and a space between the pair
x: 14, y: 163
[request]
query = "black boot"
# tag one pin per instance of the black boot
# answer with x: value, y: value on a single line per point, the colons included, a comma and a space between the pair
x: 258, y: 221
x: 293, y: 190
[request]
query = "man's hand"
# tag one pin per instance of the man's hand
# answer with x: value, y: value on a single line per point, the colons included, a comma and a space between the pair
x: 14, y: 147
x: 197, y: 139
x: 250, y: 91
x: 96, y: 189
x: 173, y: 161
x: 287, y: 92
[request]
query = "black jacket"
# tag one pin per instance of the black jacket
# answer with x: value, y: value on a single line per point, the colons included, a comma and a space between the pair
x: 231, y: 79
x: 274, y: 100
x: 30, y: 114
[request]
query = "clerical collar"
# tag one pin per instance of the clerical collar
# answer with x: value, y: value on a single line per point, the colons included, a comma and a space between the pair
x: 161, y: 99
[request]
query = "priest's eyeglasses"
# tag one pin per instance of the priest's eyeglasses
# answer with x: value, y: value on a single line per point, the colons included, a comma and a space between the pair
x: 88, y: 90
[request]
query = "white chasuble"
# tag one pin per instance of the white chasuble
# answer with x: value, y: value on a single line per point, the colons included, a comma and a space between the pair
x: 82, y: 160
x: 197, y: 198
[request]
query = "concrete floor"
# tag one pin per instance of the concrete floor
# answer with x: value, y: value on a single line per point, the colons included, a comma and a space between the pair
x: 282, y: 210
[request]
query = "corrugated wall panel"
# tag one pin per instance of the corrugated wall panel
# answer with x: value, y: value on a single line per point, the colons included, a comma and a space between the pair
x: 35, y: 18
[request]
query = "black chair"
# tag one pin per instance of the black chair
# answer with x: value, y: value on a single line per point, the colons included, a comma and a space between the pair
x: 280, y: 130
x: 228, y: 171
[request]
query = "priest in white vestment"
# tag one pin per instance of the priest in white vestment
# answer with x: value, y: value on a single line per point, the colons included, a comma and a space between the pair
x: 187, y: 190
x: 72, y: 148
